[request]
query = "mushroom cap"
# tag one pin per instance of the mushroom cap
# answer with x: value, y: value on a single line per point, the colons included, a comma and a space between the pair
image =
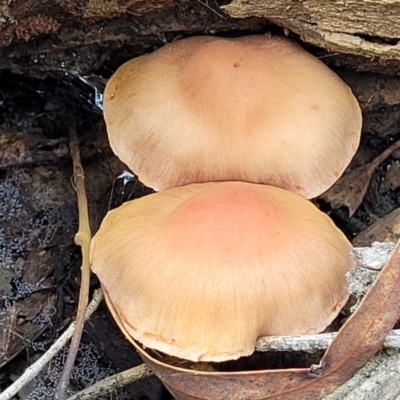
x: 256, y: 109
x: 201, y: 271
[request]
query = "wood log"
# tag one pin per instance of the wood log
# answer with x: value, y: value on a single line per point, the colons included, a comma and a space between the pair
x: 378, y: 380
x: 45, y: 37
x: 370, y: 28
x: 42, y: 38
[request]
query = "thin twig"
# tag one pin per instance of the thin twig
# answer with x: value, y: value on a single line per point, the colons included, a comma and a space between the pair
x: 33, y: 370
x: 313, y: 343
x: 114, y: 382
x: 82, y: 239
x: 205, y: 4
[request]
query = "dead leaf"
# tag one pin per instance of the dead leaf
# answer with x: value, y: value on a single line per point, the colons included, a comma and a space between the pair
x: 350, y: 189
x: 386, y: 229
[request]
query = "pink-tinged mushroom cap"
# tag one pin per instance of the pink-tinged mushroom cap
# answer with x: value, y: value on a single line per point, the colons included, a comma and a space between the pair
x: 256, y: 109
x: 201, y: 271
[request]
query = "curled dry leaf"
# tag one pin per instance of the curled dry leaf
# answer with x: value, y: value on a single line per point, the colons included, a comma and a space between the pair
x: 350, y: 189
x: 386, y: 229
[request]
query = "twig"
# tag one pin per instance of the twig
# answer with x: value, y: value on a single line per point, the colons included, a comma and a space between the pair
x: 82, y: 239
x: 205, y: 4
x: 111, y: 383
x: 313, y: 343
x: 32, y: 371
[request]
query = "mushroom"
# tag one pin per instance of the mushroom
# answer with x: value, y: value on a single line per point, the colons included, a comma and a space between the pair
x: 256, y: 109
x: 201, y: 271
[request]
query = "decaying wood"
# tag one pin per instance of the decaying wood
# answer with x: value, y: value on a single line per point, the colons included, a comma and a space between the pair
x: 378, y: 380
x: 338, y: 26
x: 43, y: 17
x: 48, y: 38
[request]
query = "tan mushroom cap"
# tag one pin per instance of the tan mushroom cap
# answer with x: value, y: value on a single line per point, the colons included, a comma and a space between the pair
x: 256, y: 109
x: 201, y: 271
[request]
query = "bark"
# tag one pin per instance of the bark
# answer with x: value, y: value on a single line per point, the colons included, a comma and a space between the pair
x: 43, y: 38
x: 378, y: 380
x: 47, y: 37
x: 368, y: 28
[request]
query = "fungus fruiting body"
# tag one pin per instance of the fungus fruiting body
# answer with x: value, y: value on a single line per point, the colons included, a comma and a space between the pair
x: 200, y: 271
x: 256, y: 109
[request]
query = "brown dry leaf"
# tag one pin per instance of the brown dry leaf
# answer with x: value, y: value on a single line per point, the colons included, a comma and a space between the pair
x: 386, y: 229
x: 357, y: 341
x: 350, y: 189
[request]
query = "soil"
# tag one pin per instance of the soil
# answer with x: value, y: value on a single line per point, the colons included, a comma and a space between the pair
x: 39, y: 263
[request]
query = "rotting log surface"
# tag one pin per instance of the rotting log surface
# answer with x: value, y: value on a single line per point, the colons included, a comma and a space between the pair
x: 378, y: 380
x: 369, y: 28
x: 41, y: 38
